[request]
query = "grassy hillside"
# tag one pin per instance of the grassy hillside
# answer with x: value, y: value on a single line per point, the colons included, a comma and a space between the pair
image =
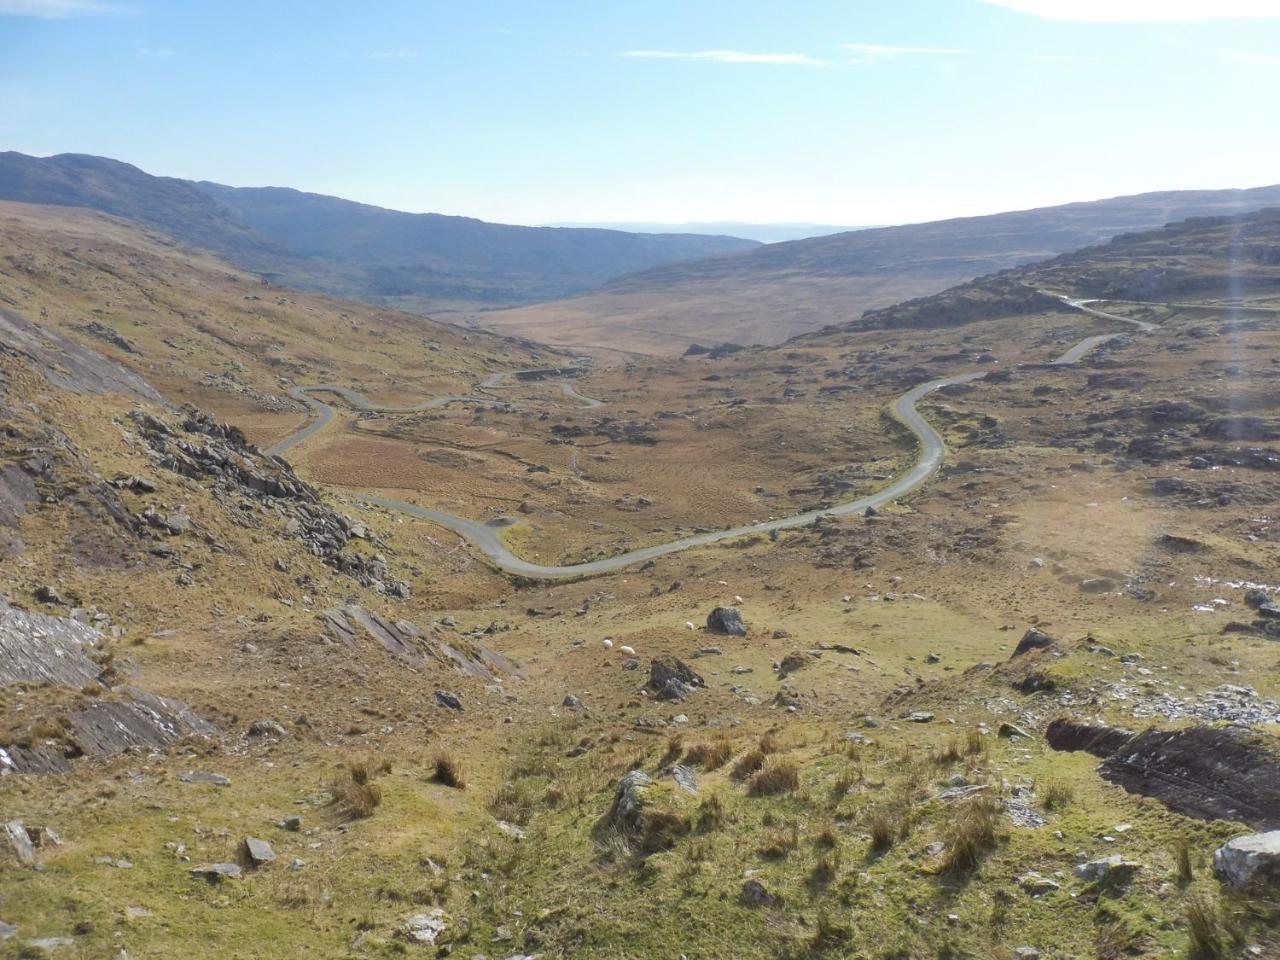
x: 777, y: 291
x: 416, y: 261
x: 388, y: 749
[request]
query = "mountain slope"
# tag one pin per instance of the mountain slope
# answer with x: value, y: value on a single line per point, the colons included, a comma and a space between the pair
x: 1209, y: 259
x: 419, y: 261
x: 777, y: 291
x: 389, y: 254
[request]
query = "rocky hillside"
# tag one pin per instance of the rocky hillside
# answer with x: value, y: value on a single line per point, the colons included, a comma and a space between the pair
x: 351, y: 249
x: 783, y: 289
x: 1202, y: 258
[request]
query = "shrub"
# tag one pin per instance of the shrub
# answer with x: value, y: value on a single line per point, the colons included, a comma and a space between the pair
x: 971, y: 832
x: 1204, y: 928
x: 710, y: 814
x: 974, y: 743
x: 354, y: 793
x: 748, y: 764
x: 674, y: 749
x: 883, y: 829
x: 660, y: 829
x: 1056, y: 794
x: 710, y: 756
x: 1182, y: 859
x: 449, y: 772
x: 774, y: 779
x: 768, y: 744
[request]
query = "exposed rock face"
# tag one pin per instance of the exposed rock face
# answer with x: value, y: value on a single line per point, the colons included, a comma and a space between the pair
x: 142, y: 720
x: 37, y: 648
x: 673, y: 679
x: 726, y: 620
x: 206, y: 450
x: 67, y: 364
x: 57, y: 651
x: 1203, y: 772
x: 408, y: 642
x: 1254, y: 858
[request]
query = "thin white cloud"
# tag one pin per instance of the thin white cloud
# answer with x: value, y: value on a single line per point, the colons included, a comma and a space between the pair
x: 403, y: 53
x: 1249, y: 58
x: 59, y: 9
x: 1143, y: 11
x: 731, y: 56
x: 875, y: 52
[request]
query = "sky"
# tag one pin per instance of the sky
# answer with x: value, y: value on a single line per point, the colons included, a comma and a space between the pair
x: 827, y: 111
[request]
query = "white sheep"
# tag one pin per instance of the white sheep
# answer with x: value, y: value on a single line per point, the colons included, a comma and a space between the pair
x: 628, y: 651
x: 608, y: 644
x: 689, y: 624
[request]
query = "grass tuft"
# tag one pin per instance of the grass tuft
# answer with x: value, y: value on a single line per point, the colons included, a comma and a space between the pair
x: 448, y: 771
x: 709, y: 756
x: 776, y: 778
x: 971, y: 832
x: 353, y: 791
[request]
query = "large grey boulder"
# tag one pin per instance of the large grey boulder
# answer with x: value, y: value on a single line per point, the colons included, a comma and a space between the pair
x: 1253, y: 858
x: 726, y: 620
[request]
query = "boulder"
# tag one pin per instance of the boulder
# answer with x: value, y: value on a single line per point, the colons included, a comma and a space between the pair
x: 755, y: 894
x: 1097, y: 585
x: 257, y: 852
x: 672, y: 679
x: 728, y: 621
x: 1033, y: 639
x: 1111, y: 869
x: 1255, y: 598
x: 267, y: 728
x: 1253, y: 858
x: 215, y: 872
x: 434, y: 928
x: 450, y: 700
x: 628, y: 801
x: 19, y: 842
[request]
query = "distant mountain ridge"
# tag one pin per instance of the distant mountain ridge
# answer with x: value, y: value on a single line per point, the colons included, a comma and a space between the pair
x: 763, y: 232
x: 779, y: 290
x: 311, y: 241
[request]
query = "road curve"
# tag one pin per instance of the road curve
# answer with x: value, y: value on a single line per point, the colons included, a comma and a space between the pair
x: 487, y: 535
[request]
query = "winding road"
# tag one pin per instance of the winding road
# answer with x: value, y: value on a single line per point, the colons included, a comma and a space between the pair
x: 487, y: 535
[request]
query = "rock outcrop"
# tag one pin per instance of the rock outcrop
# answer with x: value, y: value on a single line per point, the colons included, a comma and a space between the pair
x: 1254, y: 858
x: 1203, y: 772
x: 61, y: 652
x: 205, y: 450
x: 407, y: 641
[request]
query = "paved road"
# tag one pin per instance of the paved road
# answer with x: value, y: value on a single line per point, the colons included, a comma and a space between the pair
x: 358, y: 401
x: 487, y: 535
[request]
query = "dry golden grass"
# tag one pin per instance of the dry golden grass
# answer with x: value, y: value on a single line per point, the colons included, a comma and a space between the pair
x: 448, y: 771
x: 710, y: 756
x: 970, y: 833
x: 778, y: 777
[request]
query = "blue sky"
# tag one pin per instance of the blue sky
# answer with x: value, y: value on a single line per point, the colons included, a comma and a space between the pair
x: 833, y: 111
